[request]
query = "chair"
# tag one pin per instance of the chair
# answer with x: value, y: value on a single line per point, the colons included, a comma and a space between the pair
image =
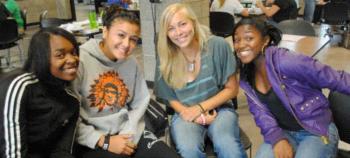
x: 247, y: 144
x: 335, y: 13
x: 98, y: 4
x: 43, y: 15
x: 340, y: 106
x: 52, y: 22
x: 209, y: 149
x: 296, y: 27
x: 221, y: 23
x: 9, y: 37
x: 24, y: 17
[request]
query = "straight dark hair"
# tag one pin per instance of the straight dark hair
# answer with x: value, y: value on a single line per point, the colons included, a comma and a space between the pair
x: 39, y: 53
x: 247, y: 71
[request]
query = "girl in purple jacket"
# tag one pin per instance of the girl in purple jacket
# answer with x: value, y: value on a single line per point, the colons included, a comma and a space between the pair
x: 284, y: 93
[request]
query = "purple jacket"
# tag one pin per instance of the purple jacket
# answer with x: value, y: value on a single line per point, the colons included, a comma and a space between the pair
x: 297, y: 80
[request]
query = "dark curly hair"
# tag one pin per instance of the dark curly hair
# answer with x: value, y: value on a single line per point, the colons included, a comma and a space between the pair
x: 247, y: 71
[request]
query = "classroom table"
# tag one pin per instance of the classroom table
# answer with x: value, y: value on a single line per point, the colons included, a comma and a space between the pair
x: 307, y: 45
x: 82, y: 28
x: 336, y: 57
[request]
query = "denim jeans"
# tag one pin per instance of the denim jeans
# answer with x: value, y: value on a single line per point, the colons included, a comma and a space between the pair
x: 309, y: 10
x: 306, y: 145
x: 223, y: 131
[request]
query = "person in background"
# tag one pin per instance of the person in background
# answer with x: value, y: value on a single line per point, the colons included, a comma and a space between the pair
x: 309, y: 9
x: 284, y: 93
x: 229, y: 6
x: 317, y: 15
x: 15, y: 11
x: 280, y: 9
x: 114, y: 94
x: 297, y: 3
x: 196, y: 74
x: 39, y: 110
x: 122, y: 3
x: 4, y: 13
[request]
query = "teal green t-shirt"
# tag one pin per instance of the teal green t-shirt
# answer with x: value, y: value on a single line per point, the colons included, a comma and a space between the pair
x: 217, y: 64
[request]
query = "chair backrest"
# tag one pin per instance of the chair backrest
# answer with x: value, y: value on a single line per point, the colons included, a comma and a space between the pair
x: 335, y: 13
x: 8, y: 31
x: 221, y: 23
x: 24, y: 17
x: 296, y: 27
x: 52, y: 22
x: 340, y: 106
x: 43, y: 15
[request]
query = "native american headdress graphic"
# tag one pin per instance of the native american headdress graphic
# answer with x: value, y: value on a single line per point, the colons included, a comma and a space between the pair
x: 108, y: 90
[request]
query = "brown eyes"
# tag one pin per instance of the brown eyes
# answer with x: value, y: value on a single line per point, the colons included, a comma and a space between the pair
x: 132, y: 38
x: 121, y: 35
x: 61, y: 53
x: 245, y: 38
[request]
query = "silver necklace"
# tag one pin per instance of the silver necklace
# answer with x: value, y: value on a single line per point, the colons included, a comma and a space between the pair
x: 191, y: 65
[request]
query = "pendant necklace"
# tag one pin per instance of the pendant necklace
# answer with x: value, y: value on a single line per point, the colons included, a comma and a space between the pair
x: 191, y: 65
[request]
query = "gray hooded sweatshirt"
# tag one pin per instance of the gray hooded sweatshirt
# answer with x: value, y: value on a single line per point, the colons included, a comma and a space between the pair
x: 114, y: 96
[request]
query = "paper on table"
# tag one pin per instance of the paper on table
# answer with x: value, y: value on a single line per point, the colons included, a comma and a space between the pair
x: 344, y: 145
x: 71, y: 27
x: 84, y: 22
x: 292, y: 38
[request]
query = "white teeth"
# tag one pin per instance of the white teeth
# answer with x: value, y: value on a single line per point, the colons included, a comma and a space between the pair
x: 181, y: 39
x: 123, y: 51
x: 71, y: 70
x: 244, y: 53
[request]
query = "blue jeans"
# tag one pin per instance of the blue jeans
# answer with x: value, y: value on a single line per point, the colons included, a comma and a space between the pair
x: 309, y: 10
x: 223, y: 131
x: 306, y: 145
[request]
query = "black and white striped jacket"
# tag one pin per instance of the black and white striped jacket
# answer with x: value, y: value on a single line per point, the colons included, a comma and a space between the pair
x: 36, y: 120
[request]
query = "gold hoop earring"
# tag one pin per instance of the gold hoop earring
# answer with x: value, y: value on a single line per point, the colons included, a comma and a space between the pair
x: 263, y: 50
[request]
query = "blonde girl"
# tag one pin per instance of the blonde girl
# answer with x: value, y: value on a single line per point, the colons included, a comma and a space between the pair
x: 196, y: 75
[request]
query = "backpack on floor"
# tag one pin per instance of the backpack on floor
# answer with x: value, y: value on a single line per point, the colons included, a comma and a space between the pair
x: 156, y: 118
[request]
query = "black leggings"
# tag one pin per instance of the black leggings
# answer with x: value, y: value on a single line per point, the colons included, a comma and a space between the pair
x: 148, y: 147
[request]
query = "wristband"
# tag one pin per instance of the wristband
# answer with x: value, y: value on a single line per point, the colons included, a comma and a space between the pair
x: 202, y: 109
x: 106, y: 142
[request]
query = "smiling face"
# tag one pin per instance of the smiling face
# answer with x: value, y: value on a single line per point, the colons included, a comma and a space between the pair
x: 248, y: 43
x: 110, y: 96
x: 64, y: 59
x: 181, y: 30
x: 120, y: 39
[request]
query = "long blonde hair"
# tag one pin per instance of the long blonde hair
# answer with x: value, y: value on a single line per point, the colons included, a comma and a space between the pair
x: 172, y: 61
